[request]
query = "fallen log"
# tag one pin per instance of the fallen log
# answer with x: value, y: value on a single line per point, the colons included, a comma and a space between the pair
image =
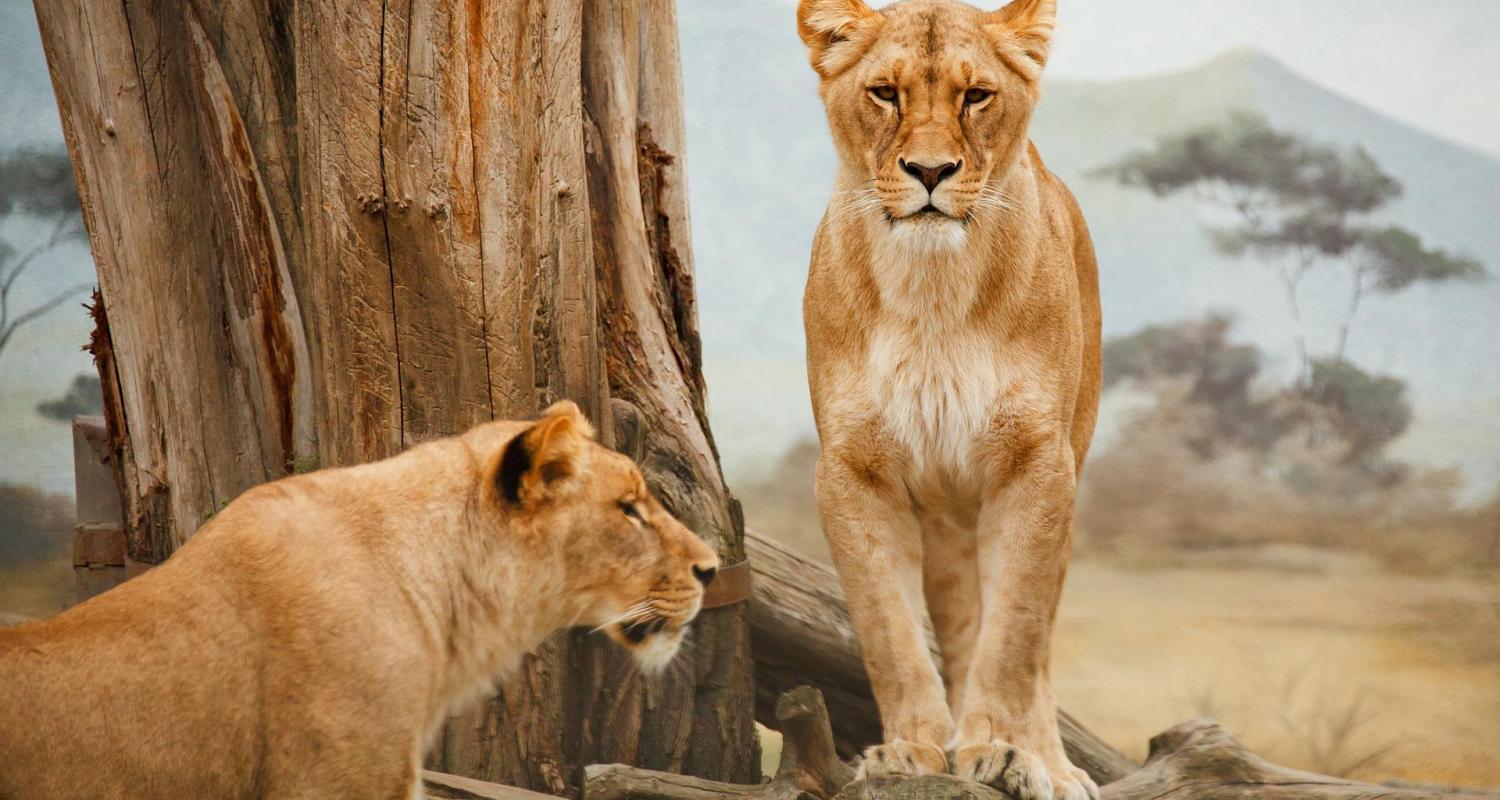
x: 442, y: 786
x: 1196, y: 760
x: 810, y: 767
x: 1199, y: 760
x: 801, y: 634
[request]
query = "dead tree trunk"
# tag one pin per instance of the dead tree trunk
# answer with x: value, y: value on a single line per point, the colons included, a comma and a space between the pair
x: 324, y: 229
x: 802, y: 634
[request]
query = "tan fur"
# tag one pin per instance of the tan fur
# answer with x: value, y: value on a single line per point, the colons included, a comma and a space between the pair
x: 311, y: 638
x: 953, y: 356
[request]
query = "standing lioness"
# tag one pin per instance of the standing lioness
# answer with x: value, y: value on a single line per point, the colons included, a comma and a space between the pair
x: 309, y: 639
x: 952, y: 316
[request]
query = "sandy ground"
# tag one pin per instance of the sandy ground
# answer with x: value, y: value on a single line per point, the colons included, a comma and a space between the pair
x: 1360, y: 672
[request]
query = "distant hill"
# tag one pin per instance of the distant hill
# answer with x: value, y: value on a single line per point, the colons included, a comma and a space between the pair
x: 760, y: 166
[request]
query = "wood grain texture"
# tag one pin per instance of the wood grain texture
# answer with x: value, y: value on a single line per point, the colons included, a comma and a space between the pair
x: 325, y: 230
x: 442, y: 786
x: 1198, y: 760
x: 809, y: 767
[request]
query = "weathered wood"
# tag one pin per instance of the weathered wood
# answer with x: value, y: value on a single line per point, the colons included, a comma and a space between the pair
x: 442, y: 786
x: 926, y: 787
x: 801, y: 633
x: 99, y: 533
x: 619, y: 782
x: 809, y: 768
x: 326, y: 229
x: 1198, y: 760
x: 808, y: 756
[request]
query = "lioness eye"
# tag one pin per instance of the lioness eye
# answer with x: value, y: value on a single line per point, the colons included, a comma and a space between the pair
x: 629, y: 509
x: 976, y: 95
x: 884, y: 93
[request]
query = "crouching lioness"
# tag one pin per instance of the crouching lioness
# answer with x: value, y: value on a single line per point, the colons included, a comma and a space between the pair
x: 313, y: 635
x: 952, y: 315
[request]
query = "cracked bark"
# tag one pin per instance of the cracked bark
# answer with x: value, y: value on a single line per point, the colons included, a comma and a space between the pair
x: 326, y: 229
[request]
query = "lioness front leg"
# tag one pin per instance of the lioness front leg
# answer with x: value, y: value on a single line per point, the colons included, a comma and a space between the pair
x: 877, y: 549
x: 1007, y: 731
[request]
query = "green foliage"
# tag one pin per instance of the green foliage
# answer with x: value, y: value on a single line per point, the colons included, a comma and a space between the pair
x: 83, y: 398
x: 1259, y: 166
x: 1367, y: 411
x: 1361, y: 412
x: 1398, y: 259
x: 1220, y: 376
x: 1317, y: 231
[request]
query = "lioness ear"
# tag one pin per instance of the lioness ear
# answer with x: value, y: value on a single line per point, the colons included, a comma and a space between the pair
x: 1025, y: 31
x: 834, y: 32
x: 545, y: 457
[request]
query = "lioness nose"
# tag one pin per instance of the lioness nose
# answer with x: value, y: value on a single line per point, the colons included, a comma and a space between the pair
x: 930, y: 176
x: 705, y: 575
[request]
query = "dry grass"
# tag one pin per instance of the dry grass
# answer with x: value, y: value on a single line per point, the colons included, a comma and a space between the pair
x: 1364, y: 673
x: 37, y: 588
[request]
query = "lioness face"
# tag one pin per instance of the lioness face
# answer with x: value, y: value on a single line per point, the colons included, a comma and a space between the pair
x: 928, y: 102
x: 632, y: 570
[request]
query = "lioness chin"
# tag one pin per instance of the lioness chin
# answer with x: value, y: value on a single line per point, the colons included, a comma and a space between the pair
x: 952, y: 317
x: 311, y: 638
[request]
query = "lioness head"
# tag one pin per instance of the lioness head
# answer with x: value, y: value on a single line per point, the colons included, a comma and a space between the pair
x: 631, y: 569
x: 928, y: 102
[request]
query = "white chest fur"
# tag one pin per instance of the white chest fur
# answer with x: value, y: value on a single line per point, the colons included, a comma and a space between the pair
x: 934, y: 375
x: 936, y: 389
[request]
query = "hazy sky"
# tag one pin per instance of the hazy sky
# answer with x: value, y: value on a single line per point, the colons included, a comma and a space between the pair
x: 1431, y: 63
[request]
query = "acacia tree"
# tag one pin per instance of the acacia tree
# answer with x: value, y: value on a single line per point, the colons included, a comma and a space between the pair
x: 325, y: 229
x: 1296, y: 205
x: 36, y: 183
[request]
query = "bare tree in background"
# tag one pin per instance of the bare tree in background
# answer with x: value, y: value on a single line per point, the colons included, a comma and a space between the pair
x: 35, y: 183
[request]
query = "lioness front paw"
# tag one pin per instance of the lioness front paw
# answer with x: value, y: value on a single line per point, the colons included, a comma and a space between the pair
x: 901, y: 758
x: 1021, y: 774
x: 1090, y: 789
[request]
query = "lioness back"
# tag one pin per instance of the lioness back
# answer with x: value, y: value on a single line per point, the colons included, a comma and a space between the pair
x: 310, y: 638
